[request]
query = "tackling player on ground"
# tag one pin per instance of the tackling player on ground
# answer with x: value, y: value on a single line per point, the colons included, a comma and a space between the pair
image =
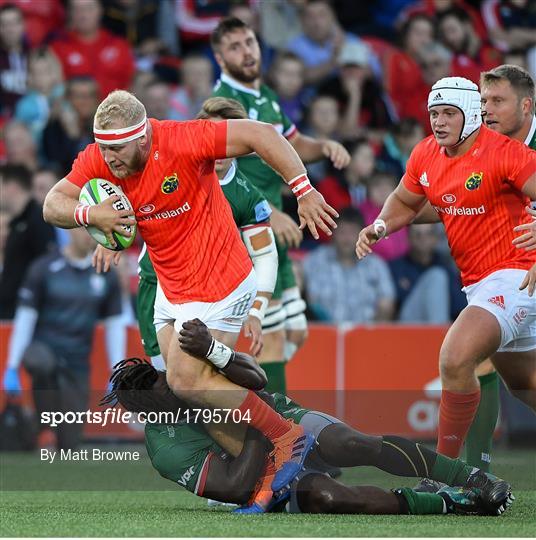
x: 479, y: 182
x: 184, y: 453
x: 237, y: 52
x: 166, y: 170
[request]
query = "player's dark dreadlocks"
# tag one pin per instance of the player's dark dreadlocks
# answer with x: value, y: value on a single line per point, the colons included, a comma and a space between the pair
x: 132, y: 381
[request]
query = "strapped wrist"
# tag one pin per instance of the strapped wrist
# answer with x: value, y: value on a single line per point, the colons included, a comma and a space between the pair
x: 300, y: 186
x: 81, y: 214
x: 259, y: 307
x: 380, y: 228
x: 219, y: 354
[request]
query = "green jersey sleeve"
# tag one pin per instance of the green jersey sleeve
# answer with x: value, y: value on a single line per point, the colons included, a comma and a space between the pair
x: 248, y: 205
x: 181, y: 453
x: 145, y: 266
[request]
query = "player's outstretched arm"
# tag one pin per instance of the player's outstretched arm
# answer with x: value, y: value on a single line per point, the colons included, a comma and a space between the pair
x: 399, y: 210
x: 427, y: 215
x: 247, y: 136
x: 240, y: 368
x: 234, y: 480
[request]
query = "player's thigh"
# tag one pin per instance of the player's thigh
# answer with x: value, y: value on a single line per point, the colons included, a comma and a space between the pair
x: 518, y: 369
x: 164, y: 336
x: 473, y: 337
x: 484, y: 368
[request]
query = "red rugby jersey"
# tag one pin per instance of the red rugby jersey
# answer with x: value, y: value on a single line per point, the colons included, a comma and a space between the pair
x: 478, y: 197
x: 181, y: 211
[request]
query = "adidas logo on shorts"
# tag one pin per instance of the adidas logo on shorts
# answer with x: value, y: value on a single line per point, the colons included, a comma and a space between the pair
x: 498, y: 301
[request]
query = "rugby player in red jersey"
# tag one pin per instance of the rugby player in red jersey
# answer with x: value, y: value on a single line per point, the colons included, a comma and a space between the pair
x: 480, y: 183
x: 166, y: 169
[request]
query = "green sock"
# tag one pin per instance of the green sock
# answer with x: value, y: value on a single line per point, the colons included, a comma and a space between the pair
x: 453, y: 472
x: 480, y: 437
x: 275, y: 371
x: 421, y: 503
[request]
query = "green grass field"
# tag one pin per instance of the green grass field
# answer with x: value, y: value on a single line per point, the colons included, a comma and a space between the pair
x: 130, y: 499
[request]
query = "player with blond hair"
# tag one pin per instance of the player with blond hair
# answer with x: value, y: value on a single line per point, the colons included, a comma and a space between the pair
x: 166, y: 169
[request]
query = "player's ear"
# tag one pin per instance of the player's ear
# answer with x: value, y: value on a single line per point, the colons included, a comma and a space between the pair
x: 219, y: 59
x: 527, y: 105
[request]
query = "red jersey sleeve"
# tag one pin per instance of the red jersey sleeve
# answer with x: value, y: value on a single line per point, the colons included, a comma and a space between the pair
x: 519, y: 163
x: 411, y: 178
x: 205, y: 140
x: 85, y: 166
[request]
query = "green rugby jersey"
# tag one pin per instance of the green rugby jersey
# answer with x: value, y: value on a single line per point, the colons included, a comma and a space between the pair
x: 182, y: 452
x: 260, y: 105
x: 248, y: 205
x: 530, y: 141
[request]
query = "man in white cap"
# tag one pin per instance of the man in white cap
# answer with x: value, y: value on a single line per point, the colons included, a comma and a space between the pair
x: 479, y: 182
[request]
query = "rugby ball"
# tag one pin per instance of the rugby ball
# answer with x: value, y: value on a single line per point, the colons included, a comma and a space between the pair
x: 94, y: 192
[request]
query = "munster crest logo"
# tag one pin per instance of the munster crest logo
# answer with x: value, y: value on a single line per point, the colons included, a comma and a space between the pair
x: 170, y: 183
x: 474, y: 181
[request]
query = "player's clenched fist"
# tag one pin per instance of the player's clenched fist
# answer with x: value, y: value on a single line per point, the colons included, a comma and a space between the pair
x: 315, y: 212
x: 336, y: 153
x: 367, y: 237
x: 528, y: 239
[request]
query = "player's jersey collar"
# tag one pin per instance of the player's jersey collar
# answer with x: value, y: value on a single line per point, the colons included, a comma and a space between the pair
x: 229, y: 175
x: 532, y: 131
x: 237, y: 86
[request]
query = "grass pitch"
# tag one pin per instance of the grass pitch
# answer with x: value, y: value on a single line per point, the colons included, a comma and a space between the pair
x: 127, y: 499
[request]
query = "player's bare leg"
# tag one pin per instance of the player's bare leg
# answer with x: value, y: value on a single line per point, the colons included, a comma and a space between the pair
x: 198, y: 382
x: 518, y: 369
x: 474, y: 336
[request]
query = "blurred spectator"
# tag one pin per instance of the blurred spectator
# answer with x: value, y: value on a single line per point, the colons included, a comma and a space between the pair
x: 41, y: 18
x: 59, y: 305
x: 13, y: 58
x: 43, y: 180
x: 280, y: 21
x: 156, y: 97
x: 510, y: 23
x: 28, y: 235
x: 323, y: 121
x: 421, y: 279
x: 436, y: 62
x: 349, y: 186
x: 86, y: 49
x: 70, y: 130
x: 359, y: 93
x: 21, y: 148
x: 403, y: 78
x: 4, y: 229
x: 196, y: 19
x: 45, y: 87
x: 471, y: 55
x: 434, y: 9
x: 197, y: 79
x: 398, y: 144
x: 341, y: 286
x: 140, y: 81
x: 287, y: 75
x: 380, y: 186
x: 321, y: 42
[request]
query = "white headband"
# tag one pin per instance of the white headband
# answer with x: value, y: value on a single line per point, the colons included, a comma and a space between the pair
x: 120, y: 135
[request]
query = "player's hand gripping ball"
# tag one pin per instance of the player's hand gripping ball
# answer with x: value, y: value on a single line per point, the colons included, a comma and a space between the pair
x: 96, y: 191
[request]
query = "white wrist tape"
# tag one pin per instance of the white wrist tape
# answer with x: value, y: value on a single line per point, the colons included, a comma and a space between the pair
x: 300, y: 186
x: 81, y: 214
x: 219, y: 354
x: 380, y: 228
x: 260, y: 305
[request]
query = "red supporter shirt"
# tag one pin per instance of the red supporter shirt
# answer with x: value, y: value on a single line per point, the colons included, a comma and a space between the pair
x: 107, y: 58
x: 478, y: 197
x: 181, y: 211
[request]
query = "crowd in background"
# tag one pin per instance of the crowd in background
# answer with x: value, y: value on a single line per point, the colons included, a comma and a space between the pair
x: 357, y: 72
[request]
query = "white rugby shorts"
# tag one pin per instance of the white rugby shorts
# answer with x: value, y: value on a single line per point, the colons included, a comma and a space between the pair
x: 515, y: 310
x: 226, y: 315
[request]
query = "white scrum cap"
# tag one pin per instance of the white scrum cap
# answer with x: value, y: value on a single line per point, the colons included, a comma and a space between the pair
x: 462, y: 94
